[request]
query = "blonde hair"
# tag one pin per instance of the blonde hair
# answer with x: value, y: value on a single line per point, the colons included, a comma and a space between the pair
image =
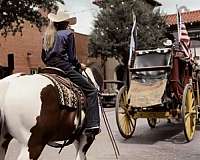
x: 49, y: 36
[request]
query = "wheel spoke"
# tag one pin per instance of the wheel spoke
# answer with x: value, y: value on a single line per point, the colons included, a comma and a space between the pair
x: 188, y: 128
x: 124, y: 108
x: 122, y: 103
x: 125, y: 98
x: 122, y: 112
x: 130, y: 124
x: 193, y: 110
x: 191, y: 106
x: 123, y: 121
x: 126, y: 125
x: 187, y: 115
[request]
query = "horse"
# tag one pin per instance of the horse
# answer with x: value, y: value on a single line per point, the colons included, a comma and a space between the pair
x: 31, y: 114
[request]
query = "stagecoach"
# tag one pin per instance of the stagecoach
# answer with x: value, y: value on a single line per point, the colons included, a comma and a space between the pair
x: 164, y: 83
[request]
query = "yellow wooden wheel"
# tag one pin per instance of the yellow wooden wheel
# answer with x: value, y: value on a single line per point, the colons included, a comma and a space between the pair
x: 198, y: 97
x: 125, y: 123
x: 189, y: 112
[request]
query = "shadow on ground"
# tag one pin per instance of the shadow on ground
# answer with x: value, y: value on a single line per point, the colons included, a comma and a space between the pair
x: 168, y: 132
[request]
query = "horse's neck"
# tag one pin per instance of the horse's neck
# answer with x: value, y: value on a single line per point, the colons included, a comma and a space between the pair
x: 88, y: 73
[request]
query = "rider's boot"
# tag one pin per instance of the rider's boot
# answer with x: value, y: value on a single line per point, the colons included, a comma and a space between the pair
x: 92, y: 130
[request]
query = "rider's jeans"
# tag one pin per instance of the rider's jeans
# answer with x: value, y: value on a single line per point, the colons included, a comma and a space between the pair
x: 92, y: 108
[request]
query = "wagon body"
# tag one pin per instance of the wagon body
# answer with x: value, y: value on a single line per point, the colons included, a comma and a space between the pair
x: 163, y: 84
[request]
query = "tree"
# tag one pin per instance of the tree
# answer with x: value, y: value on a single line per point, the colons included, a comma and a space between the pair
x: 112, y: 28
x: 13, y: 13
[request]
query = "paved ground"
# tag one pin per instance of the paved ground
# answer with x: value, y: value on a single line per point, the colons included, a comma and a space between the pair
x: 165, y: 142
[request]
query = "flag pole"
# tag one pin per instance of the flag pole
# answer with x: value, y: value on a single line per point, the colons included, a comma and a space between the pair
x: 132, y: 42
x: 178, y: 24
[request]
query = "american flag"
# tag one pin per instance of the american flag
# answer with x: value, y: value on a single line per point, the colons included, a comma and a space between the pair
x: 183, y: 36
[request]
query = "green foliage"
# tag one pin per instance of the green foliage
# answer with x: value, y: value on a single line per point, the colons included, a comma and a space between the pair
x: 13, y: 13
x: 112, y: 28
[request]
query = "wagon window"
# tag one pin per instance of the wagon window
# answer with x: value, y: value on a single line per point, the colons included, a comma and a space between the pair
x: 151, y: 63
x: 152, y: 59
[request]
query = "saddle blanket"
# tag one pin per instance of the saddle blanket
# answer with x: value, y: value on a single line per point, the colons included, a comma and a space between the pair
x: 70, y: 94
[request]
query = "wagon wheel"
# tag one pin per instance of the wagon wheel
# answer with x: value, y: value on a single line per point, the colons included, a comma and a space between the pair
x: 125, y: 123
x: 198, y: 97
x: 152, y: 122
x: 189, y: 112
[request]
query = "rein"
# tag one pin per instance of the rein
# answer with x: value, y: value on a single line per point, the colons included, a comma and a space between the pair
x: 108, y: 128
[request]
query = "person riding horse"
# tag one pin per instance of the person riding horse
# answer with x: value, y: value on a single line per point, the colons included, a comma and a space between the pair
x: 59, y: 51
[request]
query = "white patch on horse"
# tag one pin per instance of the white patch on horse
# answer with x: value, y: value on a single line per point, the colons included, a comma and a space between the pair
x: 20, y: 104
x: 76, y: 120
x: 18, y: 113
x: 23, y: 153
x: 80, y: 155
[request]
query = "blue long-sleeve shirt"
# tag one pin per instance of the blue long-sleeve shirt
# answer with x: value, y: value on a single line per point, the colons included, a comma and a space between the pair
x: 62, y: 54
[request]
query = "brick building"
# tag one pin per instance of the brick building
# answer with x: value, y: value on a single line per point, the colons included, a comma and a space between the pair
x: 27, y: 49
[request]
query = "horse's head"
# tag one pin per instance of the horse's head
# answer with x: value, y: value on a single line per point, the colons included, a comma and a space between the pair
x: 94, y: 72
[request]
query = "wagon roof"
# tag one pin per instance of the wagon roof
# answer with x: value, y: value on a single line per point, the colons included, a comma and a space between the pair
x: 158, y: 50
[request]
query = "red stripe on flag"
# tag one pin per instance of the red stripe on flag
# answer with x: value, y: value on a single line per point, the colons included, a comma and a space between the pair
x: 183, y: 36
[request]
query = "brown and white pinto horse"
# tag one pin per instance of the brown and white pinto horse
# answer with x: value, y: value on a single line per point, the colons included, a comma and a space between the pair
x: 30, y: 113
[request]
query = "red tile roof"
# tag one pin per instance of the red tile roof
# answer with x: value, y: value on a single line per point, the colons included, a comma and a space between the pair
x: 187, y: 17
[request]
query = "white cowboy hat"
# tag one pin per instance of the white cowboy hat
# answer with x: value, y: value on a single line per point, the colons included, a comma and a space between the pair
x: 61, y: 16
